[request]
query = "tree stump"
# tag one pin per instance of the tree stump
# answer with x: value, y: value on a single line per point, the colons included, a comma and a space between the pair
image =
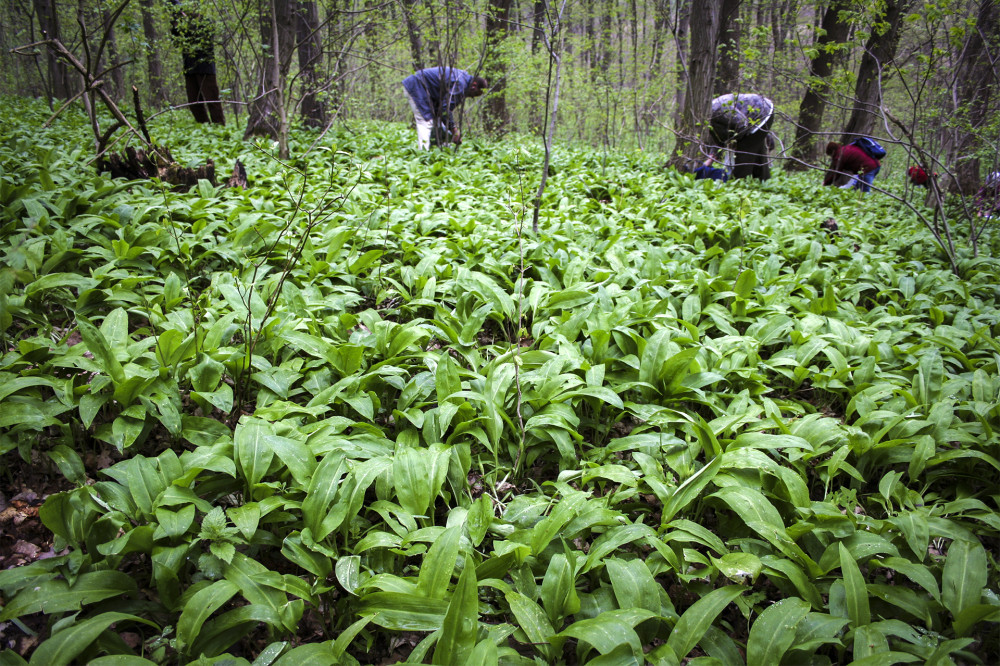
x: 137, y: 164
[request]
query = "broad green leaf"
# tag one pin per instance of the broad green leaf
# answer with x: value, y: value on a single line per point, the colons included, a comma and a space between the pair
x: 461, y: 621
x: 918, y: 573
x: 101, y: 349
x: 559, y: 597
x: 610, y: 630
x: 64, y: 646
x: 55, y: 596
x: 321, y: 492
x: 904, y: 598
x: 773, y: 632
x: 974, y: 614
x: 400, y: 611
x: 964, y: 575
x: 696, y: 620
x: 531, y: 619
x: 251, y: 449
x: 633, y: 584
x: 439, y: 564
x: 255, y: 583
x: 690, y: 489
x: 311, y: 654
x: 200, y: 607
x: 858, y: 610
x: 413, y: 480
x: 344, y: 639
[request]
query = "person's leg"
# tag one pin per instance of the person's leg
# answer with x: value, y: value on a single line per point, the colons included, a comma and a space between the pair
x: 193, y: 84
x: 424, y: 125
x: 869, y: 178
x: 751, y: 157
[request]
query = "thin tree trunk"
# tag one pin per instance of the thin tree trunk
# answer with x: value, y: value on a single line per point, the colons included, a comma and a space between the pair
x: 154, y: 68
x: 48, y: 20
x: 879, y: 51
x: 268, y: 115
x: 416, y: 48
x: 661, y: 20
x: 692, y: 132
x: 497, y: 25
x: 310, y: 54
x: 682, y: 30
x: 727, y: 73
x: 834, y: 31
x: 554, y: 58
x: 538, y: 25
x: 117, y: 74
x: 977, y: 86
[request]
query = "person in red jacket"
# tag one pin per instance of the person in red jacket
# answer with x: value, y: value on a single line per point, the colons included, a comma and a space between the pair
x: 850, y: 167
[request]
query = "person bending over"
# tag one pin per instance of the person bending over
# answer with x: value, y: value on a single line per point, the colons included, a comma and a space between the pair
x: 850, y: 167
x: 744, y: 120
x: 433, y: 94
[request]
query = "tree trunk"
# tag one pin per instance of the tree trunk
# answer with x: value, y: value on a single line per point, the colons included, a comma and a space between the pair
x: 416, y: 48
x: 783, y: 16
x: 268, y: 115
x: 48, y: 22
x: 879, y: 51
x: 497, y: 25
x: 682, y: 30
x: 154, y: 68
x: 834, y: 31
x: 313, y: 110
x: 661, y: 20
x: 977, y: 86
x: 727, y: 73
x: 117, y: 74
x: 692, y: 131
x: 538, y: 25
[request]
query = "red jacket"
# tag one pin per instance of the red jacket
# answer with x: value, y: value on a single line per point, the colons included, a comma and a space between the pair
x: 849, y: 160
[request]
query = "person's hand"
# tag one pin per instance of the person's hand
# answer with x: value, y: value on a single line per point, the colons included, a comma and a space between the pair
x: 456, y: 137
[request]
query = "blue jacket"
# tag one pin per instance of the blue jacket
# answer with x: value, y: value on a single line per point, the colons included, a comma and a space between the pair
x: 438, y: 90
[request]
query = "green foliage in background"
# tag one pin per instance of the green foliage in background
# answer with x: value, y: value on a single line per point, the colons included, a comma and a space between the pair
x: 340, y: 418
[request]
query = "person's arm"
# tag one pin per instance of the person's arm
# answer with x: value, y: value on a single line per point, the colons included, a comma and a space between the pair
x: 418, y: 86
x: 458, y: 81
x: 832, y: 172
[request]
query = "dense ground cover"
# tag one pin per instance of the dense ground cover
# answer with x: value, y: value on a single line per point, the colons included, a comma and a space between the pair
x: 353, y: 413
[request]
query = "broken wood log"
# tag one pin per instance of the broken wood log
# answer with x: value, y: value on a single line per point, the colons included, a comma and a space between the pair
x: 137, y: 164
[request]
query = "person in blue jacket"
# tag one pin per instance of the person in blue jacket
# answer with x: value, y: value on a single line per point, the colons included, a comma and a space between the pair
x: 433, y: 93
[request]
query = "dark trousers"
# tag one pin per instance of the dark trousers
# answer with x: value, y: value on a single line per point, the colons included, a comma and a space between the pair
x: 752, y: 159
x: 203, y: 98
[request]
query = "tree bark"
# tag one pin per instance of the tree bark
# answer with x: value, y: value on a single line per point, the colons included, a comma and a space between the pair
x: 976, y: 88
x: 833, y: 31
x: 267, y: 114
x: 538, y: 25
x: 416, y: 48
x: 727, y: 73
x: 48, y: 20
x: 692, y: 131
x: 497, y: 25
x: 154, y: 68
x: 310, y: 48
x: 682, y: 30
x: 117, y: 73
x: 661, y: 20
x: 879, y: 51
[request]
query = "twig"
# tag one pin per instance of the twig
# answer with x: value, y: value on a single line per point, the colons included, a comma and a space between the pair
x: 139, y: 116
